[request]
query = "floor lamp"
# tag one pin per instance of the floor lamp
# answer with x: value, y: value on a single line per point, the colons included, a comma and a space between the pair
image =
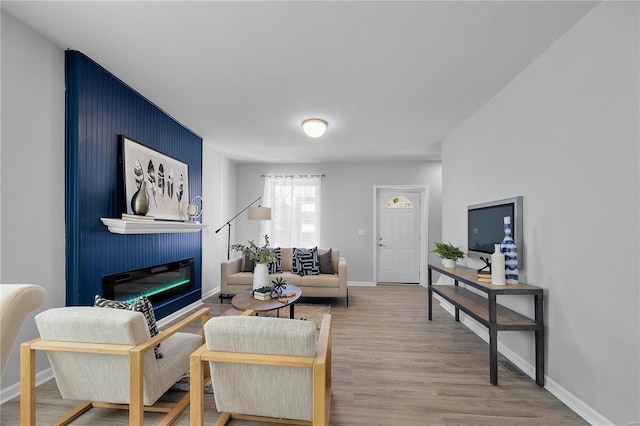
x: 254, y: 213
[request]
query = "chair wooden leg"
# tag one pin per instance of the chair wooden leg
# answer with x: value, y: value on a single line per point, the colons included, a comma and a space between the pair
x: 223, y: 420
x: 136, y: 388
x: 175, y: 412
x: 73, y: 414
x: 319, y: 395
x: 27, y: 384
x: 196, y: 387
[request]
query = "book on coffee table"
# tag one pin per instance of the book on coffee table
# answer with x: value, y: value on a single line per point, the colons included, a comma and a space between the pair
x: 263, y: 293
x: 262, y: 296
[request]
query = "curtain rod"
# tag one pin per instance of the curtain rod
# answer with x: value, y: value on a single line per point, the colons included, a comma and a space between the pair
x: 293, y: 176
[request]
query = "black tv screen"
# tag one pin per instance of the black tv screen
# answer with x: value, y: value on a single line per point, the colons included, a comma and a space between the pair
x: 485, y: 225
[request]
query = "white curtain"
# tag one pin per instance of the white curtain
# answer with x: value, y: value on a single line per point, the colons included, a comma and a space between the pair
x: 295, y: 211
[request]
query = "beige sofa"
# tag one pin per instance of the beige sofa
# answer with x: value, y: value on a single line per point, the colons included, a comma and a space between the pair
x: 233, y: 281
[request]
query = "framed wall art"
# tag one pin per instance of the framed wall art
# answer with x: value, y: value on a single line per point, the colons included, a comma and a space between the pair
x: 165, y: 181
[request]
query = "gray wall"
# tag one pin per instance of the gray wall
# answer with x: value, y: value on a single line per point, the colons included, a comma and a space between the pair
x: 31, y: 174
x: 32, y: 240
x: 218, y: 193
x: 347, y: 203
x: 564, y: 134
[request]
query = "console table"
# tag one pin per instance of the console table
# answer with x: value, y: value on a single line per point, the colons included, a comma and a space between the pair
x: 488, y: 313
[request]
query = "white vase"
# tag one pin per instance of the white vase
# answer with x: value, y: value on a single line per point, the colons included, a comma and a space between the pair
x: 497, y: 267
x: 260, y: 276
x: 449, y: 263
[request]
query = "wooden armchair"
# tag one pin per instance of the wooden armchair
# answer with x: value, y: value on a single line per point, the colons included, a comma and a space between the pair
x: 106, y: 356
x: 264, y: 369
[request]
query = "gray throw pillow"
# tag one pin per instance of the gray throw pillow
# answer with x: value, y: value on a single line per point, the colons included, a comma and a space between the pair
x: 326, y: 264
x: 248, y: 265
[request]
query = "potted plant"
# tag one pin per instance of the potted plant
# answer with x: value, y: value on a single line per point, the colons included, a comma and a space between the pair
x: 262, y: 256
x: 449, y: 254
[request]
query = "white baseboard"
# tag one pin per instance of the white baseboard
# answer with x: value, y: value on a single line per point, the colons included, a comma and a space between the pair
x: 169, y: 318
x: 13, y: 391
x: 211, y: 293
x: 570, y: 400
x: 360, y: 284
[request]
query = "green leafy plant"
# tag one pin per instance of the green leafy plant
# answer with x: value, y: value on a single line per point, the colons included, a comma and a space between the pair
x: 449, y: 251
x: 261, y: 254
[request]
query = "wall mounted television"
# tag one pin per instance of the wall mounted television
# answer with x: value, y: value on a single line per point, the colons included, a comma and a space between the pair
x: 485, y: 226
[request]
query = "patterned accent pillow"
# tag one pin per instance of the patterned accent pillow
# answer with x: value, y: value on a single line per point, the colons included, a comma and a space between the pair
x: 276, y: 266
x: 305, y: 262
x: 142, y: 305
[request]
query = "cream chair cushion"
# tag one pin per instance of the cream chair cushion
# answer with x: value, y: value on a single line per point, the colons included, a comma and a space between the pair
x: 103, y: 377
x: 272, y: 391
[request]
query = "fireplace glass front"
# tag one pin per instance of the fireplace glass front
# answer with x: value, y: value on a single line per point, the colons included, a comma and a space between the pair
x: 159, y: 283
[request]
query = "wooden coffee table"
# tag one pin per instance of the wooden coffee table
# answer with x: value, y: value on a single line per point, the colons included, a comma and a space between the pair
x: 245, y: 301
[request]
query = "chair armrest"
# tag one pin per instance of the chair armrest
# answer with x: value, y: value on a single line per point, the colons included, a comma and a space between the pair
x: 63, y: 346
x: 342, y: 276
x: 323, y: 348
x: 203, y: 314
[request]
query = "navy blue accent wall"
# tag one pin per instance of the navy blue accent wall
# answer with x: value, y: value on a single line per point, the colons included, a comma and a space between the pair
x: 99, y: 108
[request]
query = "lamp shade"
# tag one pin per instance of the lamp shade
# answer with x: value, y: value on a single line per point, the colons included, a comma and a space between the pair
x: 314, y: 127
x: 259, y: 213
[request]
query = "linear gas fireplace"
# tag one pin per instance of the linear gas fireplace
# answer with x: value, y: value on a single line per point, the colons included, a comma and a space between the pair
x: 159, y: 283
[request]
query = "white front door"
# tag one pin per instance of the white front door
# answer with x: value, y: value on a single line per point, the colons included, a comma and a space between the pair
x: 398, y: 236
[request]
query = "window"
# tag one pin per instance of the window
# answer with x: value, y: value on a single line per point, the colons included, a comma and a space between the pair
x: 399, y: 202
x: 295, y: 210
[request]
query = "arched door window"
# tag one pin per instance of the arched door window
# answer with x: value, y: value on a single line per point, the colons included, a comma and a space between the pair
x: 399, y: 203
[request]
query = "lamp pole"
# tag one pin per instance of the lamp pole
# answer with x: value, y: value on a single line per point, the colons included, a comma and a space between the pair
x: 229, y: 225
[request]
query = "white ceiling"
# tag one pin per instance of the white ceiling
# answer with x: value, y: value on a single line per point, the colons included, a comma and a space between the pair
x: 391, y: 78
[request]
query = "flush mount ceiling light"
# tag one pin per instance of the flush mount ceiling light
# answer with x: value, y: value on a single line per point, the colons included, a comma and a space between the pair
x: 314, y: 127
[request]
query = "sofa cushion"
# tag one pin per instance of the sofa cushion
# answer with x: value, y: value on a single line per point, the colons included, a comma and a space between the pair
x: 288, y: 277
x: 246, y: 278
x: 326, y: 263
x: 305, y: 261
x: 323, y: 280
x: 287, y: 255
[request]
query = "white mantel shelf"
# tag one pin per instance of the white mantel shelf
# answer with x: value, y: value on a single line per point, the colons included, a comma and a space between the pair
x: 119, y: 226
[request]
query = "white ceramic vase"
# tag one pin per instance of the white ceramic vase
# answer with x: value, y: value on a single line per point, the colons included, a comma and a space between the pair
x: 449, y: 263
x: 497, y: 267
x: 260, y: 276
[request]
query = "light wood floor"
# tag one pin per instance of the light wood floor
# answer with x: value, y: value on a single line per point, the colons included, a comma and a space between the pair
x: 391, y: 366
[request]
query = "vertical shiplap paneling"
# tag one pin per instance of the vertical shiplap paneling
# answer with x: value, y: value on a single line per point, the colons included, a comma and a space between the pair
x: 100, y: 107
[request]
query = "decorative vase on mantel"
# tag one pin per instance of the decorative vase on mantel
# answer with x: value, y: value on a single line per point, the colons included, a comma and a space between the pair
x: 510, y: 251
x: 260, y: 275
x: 140, y: 200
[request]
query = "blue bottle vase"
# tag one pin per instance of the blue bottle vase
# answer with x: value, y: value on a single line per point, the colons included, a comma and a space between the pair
x: 510, y: 251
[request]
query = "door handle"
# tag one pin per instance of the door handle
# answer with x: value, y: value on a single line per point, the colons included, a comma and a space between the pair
x: 382, y: 245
